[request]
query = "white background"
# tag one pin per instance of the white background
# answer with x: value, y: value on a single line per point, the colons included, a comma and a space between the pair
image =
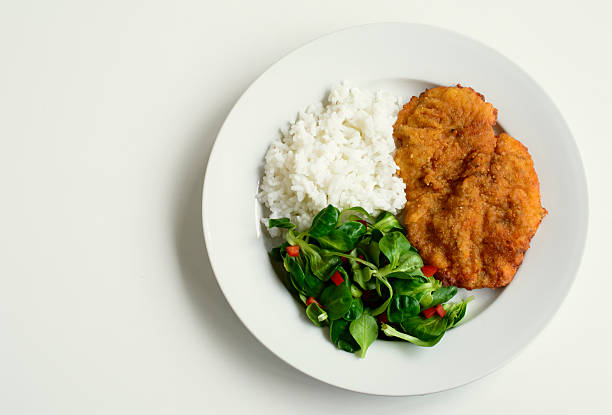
x: 108, y: 112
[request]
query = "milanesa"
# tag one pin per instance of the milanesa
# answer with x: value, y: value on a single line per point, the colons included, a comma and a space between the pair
x: 473, y: 198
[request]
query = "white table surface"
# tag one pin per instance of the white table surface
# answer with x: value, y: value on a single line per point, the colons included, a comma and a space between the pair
x: 108, y: 113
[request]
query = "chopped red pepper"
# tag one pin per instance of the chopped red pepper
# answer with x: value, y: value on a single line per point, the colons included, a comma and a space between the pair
x: 429, y: 270
x: 311, y: 300
x: 337, y: 278
x: 363, y: 222
x: 368, y: 297
x: 382, y: 318
x: 440, y: 310
x: 345, y: 259
x: 428, y: 312
x: 293, y: 250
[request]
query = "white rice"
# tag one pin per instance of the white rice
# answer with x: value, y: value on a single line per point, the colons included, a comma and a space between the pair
x: 340, y: 153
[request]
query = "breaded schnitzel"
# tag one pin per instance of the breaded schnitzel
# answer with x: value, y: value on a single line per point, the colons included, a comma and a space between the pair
x: 473, y: 199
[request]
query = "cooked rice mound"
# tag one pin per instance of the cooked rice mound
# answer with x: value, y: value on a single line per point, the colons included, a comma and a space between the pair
x: 339, y: 153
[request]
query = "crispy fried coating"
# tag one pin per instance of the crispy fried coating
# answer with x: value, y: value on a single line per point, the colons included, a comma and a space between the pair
x: 473, y: 199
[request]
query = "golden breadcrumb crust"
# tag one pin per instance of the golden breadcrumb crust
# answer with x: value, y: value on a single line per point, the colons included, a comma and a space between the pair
x: 473, y: 198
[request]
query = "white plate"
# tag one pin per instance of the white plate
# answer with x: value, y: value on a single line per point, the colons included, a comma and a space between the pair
x: 404, y: 59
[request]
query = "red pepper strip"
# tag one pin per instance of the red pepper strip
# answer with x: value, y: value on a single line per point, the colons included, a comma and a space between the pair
x: 429, y: 270
x: 363, y: 222
x: 337, y: 278
x: 440, y: 310
x: 345, y: 259
x: 368, y: 297
x: 428, y: 312
x: 293, y: 250
x: 311, y: 300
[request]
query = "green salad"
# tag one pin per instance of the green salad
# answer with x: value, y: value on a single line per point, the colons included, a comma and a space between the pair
x: 359, y: 275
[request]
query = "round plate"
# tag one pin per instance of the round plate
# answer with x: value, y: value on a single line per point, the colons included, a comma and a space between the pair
x: 404, y: 59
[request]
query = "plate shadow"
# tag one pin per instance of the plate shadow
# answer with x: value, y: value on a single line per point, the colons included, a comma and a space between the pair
x: 209, y: 305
